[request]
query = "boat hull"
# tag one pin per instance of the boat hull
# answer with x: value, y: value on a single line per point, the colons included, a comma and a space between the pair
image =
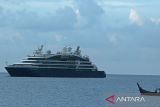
x: 53, y: 72
x: 147, y: 93
x: 151, y: 94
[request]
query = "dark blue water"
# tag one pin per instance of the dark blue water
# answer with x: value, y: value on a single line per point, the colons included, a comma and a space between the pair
x: 74, y: 92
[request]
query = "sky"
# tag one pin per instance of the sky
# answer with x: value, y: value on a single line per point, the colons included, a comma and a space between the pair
x: 119, y: 36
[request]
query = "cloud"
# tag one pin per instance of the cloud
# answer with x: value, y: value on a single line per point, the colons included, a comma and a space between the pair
x: 89, y: 10
x: 48, y: 15
x: 114, y: 39
x: 134, y: 17
x: 155, y: 20
x: 25, y: 18
x: 59, y: 38
x: 118, y: 4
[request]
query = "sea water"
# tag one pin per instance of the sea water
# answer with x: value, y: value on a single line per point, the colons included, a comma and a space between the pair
x: 76, y: 92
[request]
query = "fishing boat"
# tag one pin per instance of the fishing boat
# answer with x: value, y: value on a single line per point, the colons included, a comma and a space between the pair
x: 149, y: 93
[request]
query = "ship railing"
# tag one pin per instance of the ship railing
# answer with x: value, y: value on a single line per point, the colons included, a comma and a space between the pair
x: 55, y: 61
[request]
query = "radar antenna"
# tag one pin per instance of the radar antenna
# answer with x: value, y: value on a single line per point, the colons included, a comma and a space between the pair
x: 69, y: 49
x: 78, y: 51
x: 38, y: 51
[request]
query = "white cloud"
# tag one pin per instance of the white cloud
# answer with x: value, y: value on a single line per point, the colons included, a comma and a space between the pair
x: 34, y: 16
x: 134, y: 17
x: 155, y: 20
x: 114, y: 39
x: 58, y: 38
x: 112, y: 3
x: 81, y: 21
x: 77, y: 12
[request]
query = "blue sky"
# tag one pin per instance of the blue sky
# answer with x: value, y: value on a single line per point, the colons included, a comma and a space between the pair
x: 120, y: 36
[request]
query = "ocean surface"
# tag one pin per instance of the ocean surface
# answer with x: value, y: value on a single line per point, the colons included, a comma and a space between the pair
x: 75, y: 92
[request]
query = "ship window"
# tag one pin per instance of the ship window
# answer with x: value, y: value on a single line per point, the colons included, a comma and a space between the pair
x: 86, y: 66
x: 35, y: 58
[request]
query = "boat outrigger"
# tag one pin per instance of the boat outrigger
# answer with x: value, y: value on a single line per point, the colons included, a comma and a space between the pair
x: 149, y: 93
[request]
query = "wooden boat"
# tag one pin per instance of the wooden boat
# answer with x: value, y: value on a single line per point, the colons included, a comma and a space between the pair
x: 149, y: 93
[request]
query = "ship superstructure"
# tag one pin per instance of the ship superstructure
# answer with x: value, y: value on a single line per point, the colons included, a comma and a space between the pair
x: 66, y: 63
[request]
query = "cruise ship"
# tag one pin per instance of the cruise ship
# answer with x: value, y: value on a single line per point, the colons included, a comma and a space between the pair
x: 66, y: 63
